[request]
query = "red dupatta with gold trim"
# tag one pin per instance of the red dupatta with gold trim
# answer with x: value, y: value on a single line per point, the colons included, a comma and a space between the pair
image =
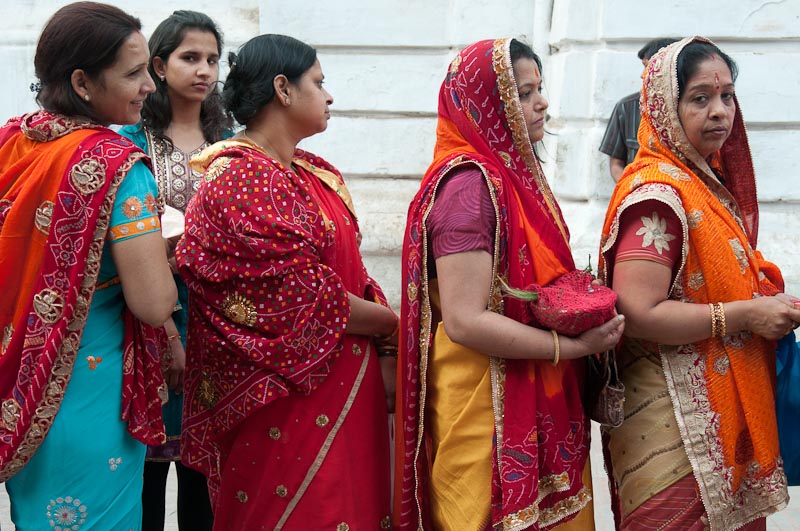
x: 58, y: 181
x: 541, y: 431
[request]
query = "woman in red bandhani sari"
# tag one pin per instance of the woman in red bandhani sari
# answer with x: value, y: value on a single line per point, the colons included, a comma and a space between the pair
x: 82, y: 267
x: 285, y: 408
x: 492, y: 433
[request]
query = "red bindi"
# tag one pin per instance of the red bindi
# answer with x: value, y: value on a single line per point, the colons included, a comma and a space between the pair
x: 716, y: 79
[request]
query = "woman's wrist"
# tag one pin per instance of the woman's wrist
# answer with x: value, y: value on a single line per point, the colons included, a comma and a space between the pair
x: 393, y: 331
x: 571, y: 348
x: 737, y: 316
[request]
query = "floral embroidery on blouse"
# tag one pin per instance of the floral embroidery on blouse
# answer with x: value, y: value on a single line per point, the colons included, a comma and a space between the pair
x: 132, y: 207
x: 150, y: 203
x: 655, y: 233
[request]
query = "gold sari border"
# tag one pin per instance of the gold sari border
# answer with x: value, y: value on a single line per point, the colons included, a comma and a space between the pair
x: 323, y: 452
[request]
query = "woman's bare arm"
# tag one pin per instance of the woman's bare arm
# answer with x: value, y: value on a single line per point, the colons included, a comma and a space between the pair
x: 370, y: 318
x: 464, y: 281
x: 146, y: 279
x: 642, y: 287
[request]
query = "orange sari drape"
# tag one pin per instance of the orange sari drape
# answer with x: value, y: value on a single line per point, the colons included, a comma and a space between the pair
x: 58, y: 181
x: 722, y: 389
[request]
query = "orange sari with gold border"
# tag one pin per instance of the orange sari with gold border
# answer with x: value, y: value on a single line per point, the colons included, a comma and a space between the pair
x: 722, y: 389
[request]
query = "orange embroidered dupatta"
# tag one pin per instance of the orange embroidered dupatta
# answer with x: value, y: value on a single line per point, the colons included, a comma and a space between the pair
x: 58, y: 181
x: 722, y: 389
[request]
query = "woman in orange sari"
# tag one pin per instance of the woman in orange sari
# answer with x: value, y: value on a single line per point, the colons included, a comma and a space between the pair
x: 699, y: 445
x: 491, y: 429
x: 285, y: 409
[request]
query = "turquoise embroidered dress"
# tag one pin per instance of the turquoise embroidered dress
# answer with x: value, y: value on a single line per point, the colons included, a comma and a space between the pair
x: 87, y: 474
x: 177, y: 183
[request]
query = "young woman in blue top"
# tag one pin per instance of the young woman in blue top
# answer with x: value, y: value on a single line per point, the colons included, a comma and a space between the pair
x: 181, y: 118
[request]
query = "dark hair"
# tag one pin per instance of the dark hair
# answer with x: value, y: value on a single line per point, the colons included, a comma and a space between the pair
x: 157, y: 110
x: 85, y: 36
x: 249, y: 85
x: 652, y: 47
x: 692, y: 55
x: 519, y: 49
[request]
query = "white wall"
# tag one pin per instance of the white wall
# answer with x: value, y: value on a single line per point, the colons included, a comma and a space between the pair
x: 384, y: 61
x: 593, y: 62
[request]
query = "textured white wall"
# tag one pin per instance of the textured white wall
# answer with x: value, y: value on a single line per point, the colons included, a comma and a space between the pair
x: 21, y: 21
x: 384, y: 61
x: 593, y: 63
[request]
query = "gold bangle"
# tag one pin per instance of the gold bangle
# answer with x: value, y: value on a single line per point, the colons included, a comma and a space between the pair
x: 173, y: 337
x: 713, y: 319
x: 719, y: 327
x: 723, y: 328
x: 557, y: 347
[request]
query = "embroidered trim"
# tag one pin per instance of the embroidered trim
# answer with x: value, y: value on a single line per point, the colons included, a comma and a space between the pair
x: 207, y: 393
x: 134, y: 228
x: 43, y: 217
x: 10, y: 414
x: 132, y: 207
x: 62, y: 369
x: 323, y: 452
x: 8, y: 332
x: 655, y: 233
x: 88, y: 175
x: 48, y: 305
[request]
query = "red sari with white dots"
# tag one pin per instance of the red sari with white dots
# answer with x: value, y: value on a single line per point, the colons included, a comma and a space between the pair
x: 284, y: 411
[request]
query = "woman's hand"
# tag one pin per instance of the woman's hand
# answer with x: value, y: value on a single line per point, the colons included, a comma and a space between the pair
x: 768, y: 317
x: 389, y: 374
x: 601, y: 338
x: 177, y: 364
